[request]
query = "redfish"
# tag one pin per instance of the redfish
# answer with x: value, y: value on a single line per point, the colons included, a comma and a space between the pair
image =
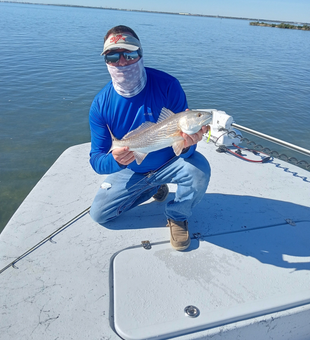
x: 150, y: 137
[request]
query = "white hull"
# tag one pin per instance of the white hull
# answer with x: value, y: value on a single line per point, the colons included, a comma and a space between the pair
x: 247, y: 271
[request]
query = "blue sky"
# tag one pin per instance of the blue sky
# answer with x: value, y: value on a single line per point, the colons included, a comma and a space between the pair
x: 282, y: 10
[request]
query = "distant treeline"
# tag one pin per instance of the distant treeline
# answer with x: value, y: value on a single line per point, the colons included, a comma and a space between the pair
x: 282, y: 25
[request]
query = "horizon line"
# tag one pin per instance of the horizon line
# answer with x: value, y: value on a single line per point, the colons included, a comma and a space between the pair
x: 158, y: 12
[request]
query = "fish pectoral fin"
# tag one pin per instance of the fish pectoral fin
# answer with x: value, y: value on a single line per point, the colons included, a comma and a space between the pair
x: 139, y: 156
x: 178, y: 147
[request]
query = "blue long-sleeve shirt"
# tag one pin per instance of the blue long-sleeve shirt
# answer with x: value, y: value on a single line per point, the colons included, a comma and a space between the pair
x: 126, y: 114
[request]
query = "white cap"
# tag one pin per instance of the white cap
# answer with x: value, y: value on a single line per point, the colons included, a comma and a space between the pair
x: 121, y: 40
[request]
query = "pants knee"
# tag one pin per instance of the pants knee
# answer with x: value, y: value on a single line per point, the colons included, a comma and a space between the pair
x: 97, y: 215
x: 201, y: 177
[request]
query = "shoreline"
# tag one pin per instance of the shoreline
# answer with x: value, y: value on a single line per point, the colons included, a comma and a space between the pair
x: 161, y: 12
x: 284, y: 25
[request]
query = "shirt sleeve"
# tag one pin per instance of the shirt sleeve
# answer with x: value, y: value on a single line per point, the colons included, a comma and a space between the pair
x: 189, y: 152
x: 101, y: 159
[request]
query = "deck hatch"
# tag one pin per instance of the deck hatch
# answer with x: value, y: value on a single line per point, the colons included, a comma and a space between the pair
x: 228, y: 278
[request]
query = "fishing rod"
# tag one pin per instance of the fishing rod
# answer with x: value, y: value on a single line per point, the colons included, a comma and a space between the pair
x: 73, y: 220
x: 46, y: 239
x: 86, y: 211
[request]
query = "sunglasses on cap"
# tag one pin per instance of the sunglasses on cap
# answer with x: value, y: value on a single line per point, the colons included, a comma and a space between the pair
x: 114, y: 57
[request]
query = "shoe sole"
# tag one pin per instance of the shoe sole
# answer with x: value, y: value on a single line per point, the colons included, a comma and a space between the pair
x: 182, y: 247
x: 163, y: 198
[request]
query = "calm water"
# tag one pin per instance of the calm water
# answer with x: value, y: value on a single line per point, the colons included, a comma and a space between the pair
x: 51, y: 69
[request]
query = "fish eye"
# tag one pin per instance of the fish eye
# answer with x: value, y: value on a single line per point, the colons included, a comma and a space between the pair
x: 199, y: 114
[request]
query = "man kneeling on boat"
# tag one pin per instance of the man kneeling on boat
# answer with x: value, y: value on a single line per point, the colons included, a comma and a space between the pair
x: 136, y: 96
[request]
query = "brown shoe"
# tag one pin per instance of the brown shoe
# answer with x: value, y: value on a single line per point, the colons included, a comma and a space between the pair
x: 162, y: 193
x: 179, y: 235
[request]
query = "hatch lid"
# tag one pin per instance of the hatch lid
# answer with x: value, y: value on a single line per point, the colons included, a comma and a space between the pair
x: 161, y: 293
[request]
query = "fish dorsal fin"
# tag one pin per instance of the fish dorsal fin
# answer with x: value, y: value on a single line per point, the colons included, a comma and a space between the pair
x: 178, y: 147
x: 139, y: 129
x: 139, y: 156
x: 112, y: 136
x: 114, y: 139
x: 164, y: 114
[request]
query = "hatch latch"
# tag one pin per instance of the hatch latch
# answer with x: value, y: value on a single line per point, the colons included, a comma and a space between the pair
x: 291, y: 222
x: 146, y: 245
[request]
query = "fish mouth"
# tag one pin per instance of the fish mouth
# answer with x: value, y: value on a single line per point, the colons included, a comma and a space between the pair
x: 205, y: 121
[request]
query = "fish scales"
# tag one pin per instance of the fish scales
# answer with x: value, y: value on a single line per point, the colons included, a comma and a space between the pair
x: 150, y: 137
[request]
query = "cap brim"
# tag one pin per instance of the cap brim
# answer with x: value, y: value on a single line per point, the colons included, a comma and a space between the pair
x: 120, y: 46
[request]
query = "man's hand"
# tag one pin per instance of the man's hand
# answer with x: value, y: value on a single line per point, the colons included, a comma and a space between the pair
x: 195, y: 138
x: 123, y: 156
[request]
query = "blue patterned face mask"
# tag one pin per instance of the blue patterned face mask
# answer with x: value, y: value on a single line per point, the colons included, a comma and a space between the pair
x: 130, y: 80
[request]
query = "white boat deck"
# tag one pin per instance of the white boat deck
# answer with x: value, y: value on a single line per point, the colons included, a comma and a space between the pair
x: 247, y: 270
